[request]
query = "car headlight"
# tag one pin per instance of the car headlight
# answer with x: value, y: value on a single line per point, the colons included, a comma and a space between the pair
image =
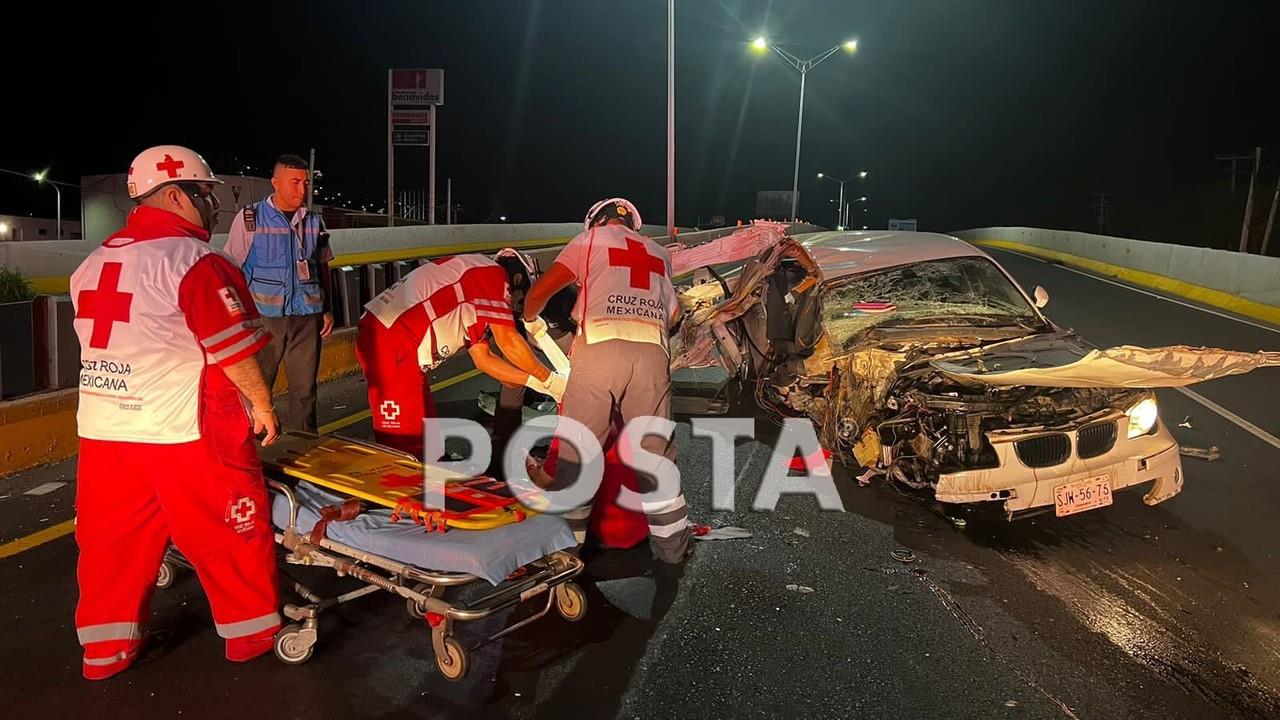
x: 1142, y: 417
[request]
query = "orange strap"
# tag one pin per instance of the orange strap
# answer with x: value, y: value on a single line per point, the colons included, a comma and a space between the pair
x: 346, y: 511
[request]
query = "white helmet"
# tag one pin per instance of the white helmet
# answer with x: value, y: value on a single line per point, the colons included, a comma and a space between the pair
x: 613, y: 209
x: 165, y: 164
x: 527, y: 262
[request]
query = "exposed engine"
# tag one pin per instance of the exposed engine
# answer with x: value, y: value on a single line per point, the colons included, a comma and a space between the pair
x: 915, y: 424
x: 932, y: 428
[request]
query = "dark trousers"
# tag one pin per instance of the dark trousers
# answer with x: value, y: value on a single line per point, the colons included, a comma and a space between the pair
x: 296, y: 340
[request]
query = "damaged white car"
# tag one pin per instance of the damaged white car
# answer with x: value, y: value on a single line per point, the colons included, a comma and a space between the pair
x: 919, y: 358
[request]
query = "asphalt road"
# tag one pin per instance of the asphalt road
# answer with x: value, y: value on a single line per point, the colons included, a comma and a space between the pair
x: 1131, y: 611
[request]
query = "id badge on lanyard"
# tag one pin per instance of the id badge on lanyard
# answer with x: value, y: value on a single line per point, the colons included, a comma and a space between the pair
x: 304, y: 267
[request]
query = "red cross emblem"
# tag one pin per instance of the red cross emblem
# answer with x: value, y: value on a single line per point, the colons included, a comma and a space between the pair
x: 390, y: 409
x: 105, y: 306
x: 244, y: 510
x: 638, y: 260
x: 170, y: 166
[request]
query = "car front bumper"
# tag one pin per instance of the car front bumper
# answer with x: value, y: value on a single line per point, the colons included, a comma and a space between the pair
x: 1150, y: 458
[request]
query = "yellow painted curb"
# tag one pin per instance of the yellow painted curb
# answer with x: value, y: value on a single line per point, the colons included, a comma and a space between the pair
x: 38, y: 430
x: 1171, y: 286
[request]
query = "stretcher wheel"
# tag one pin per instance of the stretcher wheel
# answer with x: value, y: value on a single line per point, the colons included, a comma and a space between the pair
x: 294, y: 644
x: 415, y: 609
x: 165, y: 577
x: 454, y: 661
x: 571, y: 601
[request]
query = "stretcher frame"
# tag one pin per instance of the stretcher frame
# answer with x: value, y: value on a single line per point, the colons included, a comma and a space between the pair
x: 422, y: 590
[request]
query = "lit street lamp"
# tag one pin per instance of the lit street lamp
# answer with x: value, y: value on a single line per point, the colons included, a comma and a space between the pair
x: 761, y: 45
x: 41, y: 178
x: 842, y: 213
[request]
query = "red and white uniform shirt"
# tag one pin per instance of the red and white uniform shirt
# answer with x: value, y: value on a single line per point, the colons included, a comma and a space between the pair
x: 446, y: 305
x: 157, y: 310
x: 625, y: 281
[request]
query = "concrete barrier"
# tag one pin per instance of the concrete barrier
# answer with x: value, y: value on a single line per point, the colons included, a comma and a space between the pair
x: 1242, y: 283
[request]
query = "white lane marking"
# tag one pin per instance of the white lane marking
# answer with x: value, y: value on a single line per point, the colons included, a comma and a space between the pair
x: 45, y: 489
x: 1158, y: 296
x: 1247, y: 426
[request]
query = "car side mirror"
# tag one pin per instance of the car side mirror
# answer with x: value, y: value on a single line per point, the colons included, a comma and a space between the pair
x: 1041, y: 296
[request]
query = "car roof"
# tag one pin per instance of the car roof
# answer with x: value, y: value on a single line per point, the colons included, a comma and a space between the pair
x: 853, y: 252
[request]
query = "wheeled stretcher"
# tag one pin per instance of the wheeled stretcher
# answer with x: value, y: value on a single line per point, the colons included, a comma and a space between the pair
x: 332, y: 507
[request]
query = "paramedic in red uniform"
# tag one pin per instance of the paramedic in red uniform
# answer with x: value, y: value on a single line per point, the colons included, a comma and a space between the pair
x: 168, y: 333
x: 438, y: 310
x: 619, y: 365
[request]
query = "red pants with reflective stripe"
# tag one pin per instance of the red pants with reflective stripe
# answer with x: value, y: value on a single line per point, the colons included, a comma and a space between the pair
x: 399, y: 392
x: 614, y: 526
x: 209, y: 498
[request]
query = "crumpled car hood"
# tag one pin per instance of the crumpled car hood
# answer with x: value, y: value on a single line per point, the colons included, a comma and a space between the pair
x: 1063, y: 361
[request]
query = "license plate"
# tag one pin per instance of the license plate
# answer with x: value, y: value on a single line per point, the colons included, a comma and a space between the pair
x: 1088, y: 494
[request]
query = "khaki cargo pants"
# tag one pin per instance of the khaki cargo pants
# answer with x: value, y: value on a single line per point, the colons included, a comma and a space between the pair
x: 621, y: 378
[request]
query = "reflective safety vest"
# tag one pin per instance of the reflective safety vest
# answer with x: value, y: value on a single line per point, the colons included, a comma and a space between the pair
x: 282, y: 266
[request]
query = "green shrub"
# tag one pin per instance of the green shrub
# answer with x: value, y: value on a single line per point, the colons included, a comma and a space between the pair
x: 14, y: 286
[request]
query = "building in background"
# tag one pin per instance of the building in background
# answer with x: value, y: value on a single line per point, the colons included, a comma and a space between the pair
x: 104, y: 201
x: 18, y: 228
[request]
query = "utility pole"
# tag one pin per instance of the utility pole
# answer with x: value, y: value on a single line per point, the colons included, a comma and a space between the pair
x: 311, y: 186
x: 1234, y: 160
x: 1248, y: 203
x: 1103, y: 206
x: 1271, y: 219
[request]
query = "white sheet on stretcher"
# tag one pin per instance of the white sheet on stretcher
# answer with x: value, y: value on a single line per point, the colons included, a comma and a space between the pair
x: 488, y: 554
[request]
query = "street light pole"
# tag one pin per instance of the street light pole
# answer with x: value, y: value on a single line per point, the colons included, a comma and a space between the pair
x: 839, y: 205
x: 40, y: 180
x: 671, y: 121
x: 59, y: 194
x: 842, y: 219
x: 803, y: 66
x: 795, y: 175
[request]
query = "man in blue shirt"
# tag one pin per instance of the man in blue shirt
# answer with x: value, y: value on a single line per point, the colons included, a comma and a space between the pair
x: 283, y: 250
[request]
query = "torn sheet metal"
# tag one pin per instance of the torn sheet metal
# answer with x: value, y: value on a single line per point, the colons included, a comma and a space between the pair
x: 1126, y: 366
x: 700, y: 297
x: 1209, y: 453
x: 740, y: 245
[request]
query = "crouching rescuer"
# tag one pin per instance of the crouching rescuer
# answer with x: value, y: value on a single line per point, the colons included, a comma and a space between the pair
x: 444, y: 308
x: 620, y: 364
x: 167, y: 335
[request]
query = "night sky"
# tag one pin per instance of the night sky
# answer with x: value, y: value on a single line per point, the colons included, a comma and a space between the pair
x: 966, y: 113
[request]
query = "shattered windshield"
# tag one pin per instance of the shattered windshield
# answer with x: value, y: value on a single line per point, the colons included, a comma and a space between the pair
x: 954, y: 291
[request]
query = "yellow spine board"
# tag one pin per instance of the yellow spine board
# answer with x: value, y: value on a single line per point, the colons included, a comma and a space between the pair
x: 392, y: 481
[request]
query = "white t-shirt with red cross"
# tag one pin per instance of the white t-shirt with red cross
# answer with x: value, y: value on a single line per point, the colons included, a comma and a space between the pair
x: 625, y: 285
x: 154, y: 307
x: 446, y: 305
